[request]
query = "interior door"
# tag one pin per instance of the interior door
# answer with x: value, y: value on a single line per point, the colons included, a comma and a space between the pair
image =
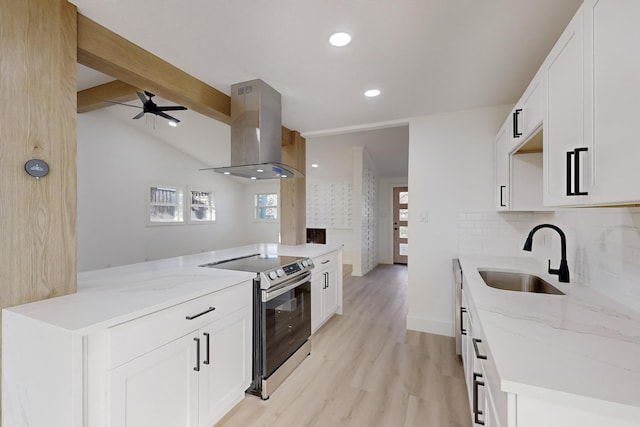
x: 400, y: 224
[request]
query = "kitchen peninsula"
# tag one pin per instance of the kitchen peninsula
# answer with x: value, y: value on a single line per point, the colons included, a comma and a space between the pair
x: 68, y: 361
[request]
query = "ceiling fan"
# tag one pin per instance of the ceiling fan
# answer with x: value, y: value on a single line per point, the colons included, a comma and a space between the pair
x: 148, y: 106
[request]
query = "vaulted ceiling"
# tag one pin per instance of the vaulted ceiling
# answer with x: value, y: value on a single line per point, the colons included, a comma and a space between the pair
x: 426, y: 56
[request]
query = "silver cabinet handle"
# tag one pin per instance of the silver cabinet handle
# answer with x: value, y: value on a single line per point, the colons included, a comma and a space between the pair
x: 475, y: 347
x: 210, y: 309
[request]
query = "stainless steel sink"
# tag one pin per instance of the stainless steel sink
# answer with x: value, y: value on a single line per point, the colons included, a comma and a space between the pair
x: 521, y: 282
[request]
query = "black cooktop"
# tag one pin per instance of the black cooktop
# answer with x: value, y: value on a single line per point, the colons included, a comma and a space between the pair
x: 256, y: 263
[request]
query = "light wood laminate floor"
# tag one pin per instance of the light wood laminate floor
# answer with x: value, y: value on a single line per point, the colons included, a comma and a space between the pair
x: 366, y: 369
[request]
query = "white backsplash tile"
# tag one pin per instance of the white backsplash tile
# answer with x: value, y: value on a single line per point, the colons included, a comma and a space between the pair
x: 603, y: 244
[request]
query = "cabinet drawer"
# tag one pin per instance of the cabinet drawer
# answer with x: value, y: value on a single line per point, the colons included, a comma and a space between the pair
x: 138, y: 336
x: 323, y: 262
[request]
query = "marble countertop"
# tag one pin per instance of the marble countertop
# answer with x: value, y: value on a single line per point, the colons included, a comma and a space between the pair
x: 581, y: 343
x: 114, y: 295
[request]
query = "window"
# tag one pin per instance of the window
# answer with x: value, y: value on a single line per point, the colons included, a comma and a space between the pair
x: 266, y: 207
x: 165, y: 205
x: 201, y: 206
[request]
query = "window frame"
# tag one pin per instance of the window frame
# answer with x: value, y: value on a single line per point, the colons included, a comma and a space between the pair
x: 160, y: 202
x: 257, y: 207
x: 211, y: 205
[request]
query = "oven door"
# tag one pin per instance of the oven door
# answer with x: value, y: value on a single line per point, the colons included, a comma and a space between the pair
x: 286, y: 321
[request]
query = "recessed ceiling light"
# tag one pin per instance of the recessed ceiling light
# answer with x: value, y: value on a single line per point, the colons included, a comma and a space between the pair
x: 314, y: 165
x: 259, y: 170
x: 283, y: 176
x: 173, y: 123
x: 372, y: 92
x: 227, y: 173
x: 340, y: 39
x: 253, y: 177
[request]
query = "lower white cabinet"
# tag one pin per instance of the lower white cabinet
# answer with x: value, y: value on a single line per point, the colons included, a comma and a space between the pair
x: 191, y: 381
x: 183, y: 365
x: 488, y: 404
x: 157, y: 389
x: 326, y: 289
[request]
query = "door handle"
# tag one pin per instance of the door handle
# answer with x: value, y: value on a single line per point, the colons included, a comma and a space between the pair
x: 476, y: 410
x: 197, y: 368
x: 502, y: 187
x: 516, y: 115
x: 463, y: 331
x: 206, y: 334
x: 573, y: 179
x: 475, y: 347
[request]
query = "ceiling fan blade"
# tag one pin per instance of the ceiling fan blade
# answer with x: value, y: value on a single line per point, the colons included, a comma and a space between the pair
x: 142, y: 97
x: 168, y: 117
x: 120, y: 103
x: 171, y: 108
x: 139, y: 115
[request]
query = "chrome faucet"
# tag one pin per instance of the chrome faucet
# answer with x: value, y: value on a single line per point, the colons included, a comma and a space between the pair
x: 563, y: 271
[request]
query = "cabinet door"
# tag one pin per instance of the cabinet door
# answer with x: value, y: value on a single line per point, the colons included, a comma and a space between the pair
x: 225, y: 370
x: 564, y: 140
x: 532, y: 107
x: 330, y: 298
x: 158, y: 389
x: 612, y: 32
x: 317, y: 294
x: 502, y: 154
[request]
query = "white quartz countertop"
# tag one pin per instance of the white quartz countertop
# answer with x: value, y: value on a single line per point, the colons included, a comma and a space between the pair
x: 581, y: 343
x: 114, y: 295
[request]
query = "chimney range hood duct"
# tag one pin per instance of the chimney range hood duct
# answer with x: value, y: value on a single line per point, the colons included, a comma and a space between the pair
x: 256, y: 133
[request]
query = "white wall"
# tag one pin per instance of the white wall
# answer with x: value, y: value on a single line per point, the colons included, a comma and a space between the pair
x: 385, y: 217
x: 450, y: 169
x: 260, y: 231
x: 116, y: 165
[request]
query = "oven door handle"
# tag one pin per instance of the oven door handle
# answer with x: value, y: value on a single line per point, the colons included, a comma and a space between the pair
x: 285, y: 287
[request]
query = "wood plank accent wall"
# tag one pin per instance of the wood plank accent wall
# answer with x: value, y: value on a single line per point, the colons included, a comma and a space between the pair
x: 107, y: 52
x: 37, y: 120
x: 293, y: 192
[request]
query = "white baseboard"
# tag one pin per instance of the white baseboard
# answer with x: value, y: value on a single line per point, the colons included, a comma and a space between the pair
x: 430, y: 326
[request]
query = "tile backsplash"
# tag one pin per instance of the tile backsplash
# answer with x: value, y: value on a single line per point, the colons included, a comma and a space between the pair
x: 603, y: 244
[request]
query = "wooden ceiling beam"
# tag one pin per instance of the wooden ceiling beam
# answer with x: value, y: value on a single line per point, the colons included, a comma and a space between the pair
x: 111, y: 54
x: 94, y: 98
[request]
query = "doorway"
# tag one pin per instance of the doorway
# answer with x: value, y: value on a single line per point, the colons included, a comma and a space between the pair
x: 400, y: 225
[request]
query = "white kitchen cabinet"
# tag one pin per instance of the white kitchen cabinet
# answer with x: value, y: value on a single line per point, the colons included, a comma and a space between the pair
x: 488, y: 404
x: 592, y: 101
x: 157, y: 389
x: 196, y: 378
x: 528, y: 114
x: 225, y: 372
x: 502, y: 167
x: 133, y: 368
x: 326, y: 289
x: 612, y: 94
x: 566, y: 150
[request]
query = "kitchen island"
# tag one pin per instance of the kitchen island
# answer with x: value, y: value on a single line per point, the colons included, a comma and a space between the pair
x: 547, y: 360
x: 65, y: 359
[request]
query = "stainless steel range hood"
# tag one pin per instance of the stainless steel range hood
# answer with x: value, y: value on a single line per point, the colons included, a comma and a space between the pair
x: 256, y: 133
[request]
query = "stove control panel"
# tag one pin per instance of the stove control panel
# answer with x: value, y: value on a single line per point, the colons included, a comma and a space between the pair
x: 277, y: 275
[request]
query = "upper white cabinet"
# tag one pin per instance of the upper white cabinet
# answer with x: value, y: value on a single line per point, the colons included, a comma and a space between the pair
x: 566, y: 151
x: 502, y: 159
x: 592, y: 89
x: 612, y: 98
x: 528, y: 114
